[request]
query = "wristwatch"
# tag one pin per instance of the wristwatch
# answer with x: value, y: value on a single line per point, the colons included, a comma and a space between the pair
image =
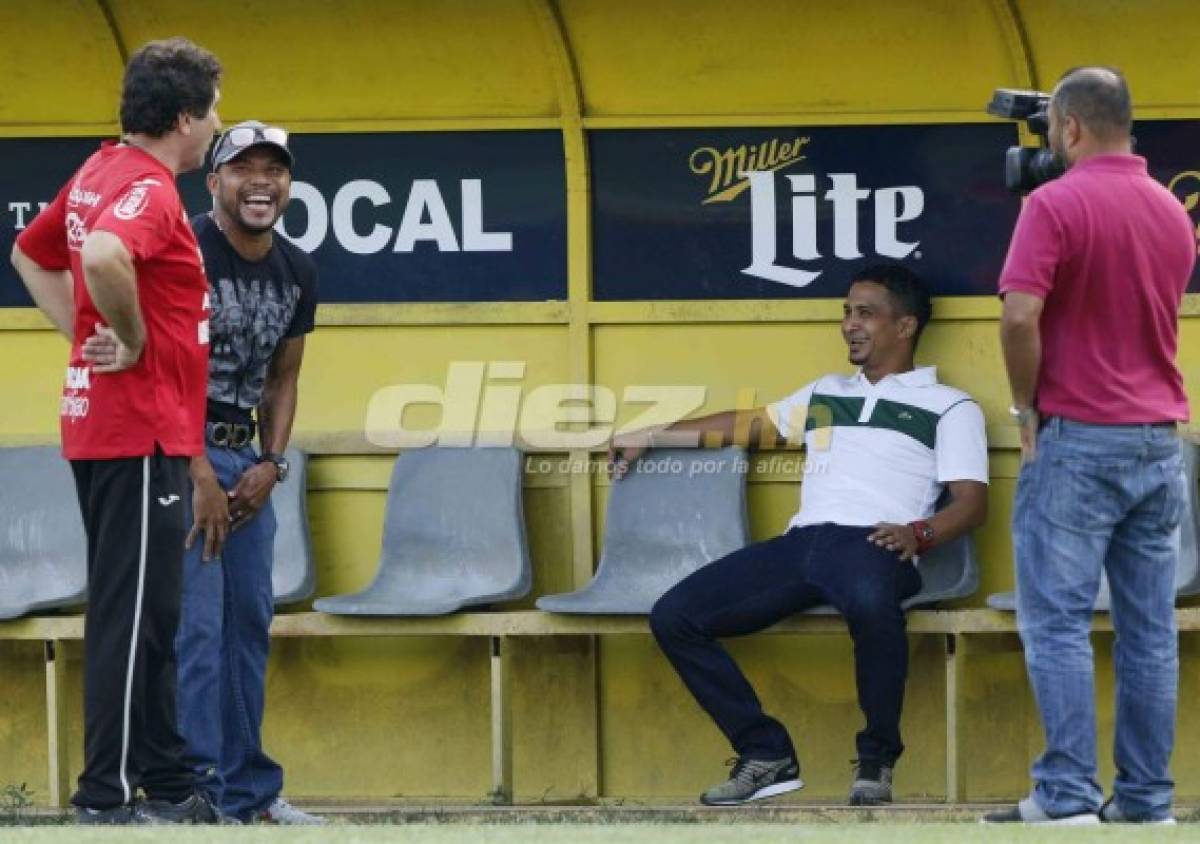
x: 924, y: 533
x: 281, y: 464
x: 1022, y: 415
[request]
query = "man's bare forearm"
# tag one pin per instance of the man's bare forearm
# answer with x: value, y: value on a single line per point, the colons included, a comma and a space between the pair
x: 1022, y: 345
x: 1021, y: 340
x: 276, y: 415
x: 277, y: 410
x: 111, y: 281
x: 744, y: 428
x: 966, y: 511
x: 200, y: 469
x: 51, y: 290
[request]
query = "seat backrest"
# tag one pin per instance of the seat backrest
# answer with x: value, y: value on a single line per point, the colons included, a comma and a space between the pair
x: 1187, y: 564
x: 675, y: 511
x: 293, y: 572
x: 1187, y: 572
x: 43, y: 548
x: 455, y: 517
x: 947, y: 572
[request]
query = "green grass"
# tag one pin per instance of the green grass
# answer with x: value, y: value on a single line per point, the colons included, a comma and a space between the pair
x: 623, y: 833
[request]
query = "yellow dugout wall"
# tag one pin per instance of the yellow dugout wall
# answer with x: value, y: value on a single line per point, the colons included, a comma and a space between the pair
x: 377, y: 719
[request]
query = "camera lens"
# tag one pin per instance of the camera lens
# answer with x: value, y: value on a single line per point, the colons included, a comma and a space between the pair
x: 1026, y: 168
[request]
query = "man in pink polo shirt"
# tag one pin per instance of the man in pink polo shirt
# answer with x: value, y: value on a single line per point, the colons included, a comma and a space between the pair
x: 1095, y: 275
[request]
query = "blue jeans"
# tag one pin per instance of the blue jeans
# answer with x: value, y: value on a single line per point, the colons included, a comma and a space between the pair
x: 221, y: 649
x: 763, y: 583
x: 1101, y: 497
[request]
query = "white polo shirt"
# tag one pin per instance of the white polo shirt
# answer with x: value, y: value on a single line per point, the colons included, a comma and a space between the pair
x: 881, y: 452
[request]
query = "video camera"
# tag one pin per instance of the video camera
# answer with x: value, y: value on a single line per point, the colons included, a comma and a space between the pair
x: 1025, y: 168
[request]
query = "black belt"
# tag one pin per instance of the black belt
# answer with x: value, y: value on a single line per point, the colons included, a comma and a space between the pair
x: 229, y: 434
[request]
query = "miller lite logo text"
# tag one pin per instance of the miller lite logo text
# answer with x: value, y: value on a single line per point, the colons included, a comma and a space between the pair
x: 727, y: 168
x: 834, y: 197
x: 841, y: 196
x: 1186, y: 187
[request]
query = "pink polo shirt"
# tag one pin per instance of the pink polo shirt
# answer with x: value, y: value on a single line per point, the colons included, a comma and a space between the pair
x: 1110, y: 251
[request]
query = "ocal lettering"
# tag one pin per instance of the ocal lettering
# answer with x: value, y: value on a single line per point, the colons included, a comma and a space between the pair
x: 353, y: 218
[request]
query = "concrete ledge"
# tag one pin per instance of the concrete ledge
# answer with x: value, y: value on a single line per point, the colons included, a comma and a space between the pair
x: 538, y: 623
x: 612, y: 812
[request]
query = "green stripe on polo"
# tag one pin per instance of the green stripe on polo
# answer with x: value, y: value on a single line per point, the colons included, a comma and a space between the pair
x: 918, y: 423
x: 826, y: 411
x: 832, y: 411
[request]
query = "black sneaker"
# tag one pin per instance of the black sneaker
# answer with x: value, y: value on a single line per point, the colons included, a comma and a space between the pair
x: 872, y: 783
x: 1028, y: 811
x: 754, y: 779
x: 197, y: 809
x: 127, y: 815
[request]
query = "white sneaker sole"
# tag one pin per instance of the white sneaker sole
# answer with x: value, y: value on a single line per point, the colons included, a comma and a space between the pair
x: 1163, y: 822
x: 1071, y: 820
x: 763, y: 793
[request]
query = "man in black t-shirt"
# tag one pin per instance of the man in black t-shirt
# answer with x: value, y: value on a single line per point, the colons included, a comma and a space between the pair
x: 263, y: 293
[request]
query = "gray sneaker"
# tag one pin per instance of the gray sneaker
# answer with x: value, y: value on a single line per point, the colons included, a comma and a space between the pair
x: 1110, y: 812
x: 1028, y: 811
x: 284, y: 813
x: 754, y: 779
x: 872, y: 784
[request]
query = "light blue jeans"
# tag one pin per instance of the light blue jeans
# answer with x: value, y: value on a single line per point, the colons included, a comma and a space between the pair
x: 1101, y: 497
x: 221, y: 648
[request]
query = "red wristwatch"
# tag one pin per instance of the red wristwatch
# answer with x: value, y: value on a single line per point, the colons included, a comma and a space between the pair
x: 924, y: 533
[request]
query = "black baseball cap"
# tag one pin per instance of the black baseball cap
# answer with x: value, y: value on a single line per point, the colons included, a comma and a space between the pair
x: 247, y: 134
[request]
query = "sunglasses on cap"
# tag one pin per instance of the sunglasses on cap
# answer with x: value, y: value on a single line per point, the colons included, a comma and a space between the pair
x: 245, y: 135
x: 241, y: 137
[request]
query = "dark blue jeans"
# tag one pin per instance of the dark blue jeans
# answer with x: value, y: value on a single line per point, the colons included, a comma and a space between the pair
x: 221, y: 649
x: 764, y: 583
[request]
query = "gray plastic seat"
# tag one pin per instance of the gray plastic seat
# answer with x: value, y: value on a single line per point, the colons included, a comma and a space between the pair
x: 293, y: 573
x: 453, y: 535
x: 948, y: 572
x: 1187, y: 568
x: 43, y: 549
x: 661, y: 526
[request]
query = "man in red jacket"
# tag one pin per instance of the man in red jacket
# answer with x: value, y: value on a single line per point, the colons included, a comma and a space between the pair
x: 114, y: 255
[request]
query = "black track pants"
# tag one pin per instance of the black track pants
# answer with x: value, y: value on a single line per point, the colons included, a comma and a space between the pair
x: 133, y: 513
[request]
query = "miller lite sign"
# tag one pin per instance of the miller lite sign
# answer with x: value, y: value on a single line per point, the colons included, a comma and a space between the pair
x: 790, y: 213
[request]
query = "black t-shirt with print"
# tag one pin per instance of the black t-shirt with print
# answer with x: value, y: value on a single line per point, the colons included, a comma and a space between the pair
x: 255, y: 305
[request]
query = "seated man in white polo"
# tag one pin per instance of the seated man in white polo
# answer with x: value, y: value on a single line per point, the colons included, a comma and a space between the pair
x: 882, y: 444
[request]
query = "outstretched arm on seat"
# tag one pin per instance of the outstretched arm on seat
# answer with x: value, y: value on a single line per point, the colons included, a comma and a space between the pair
x: 747, y: 428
